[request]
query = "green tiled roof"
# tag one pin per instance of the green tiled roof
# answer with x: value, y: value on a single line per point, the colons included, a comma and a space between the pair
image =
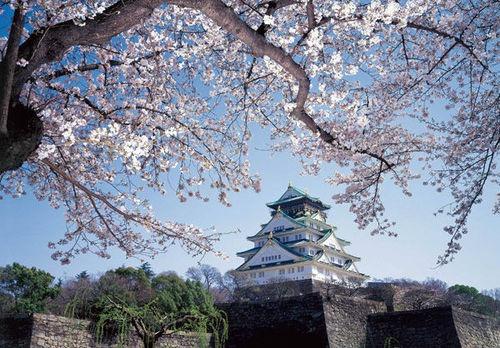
x: 300, y: 194
x: 290, y: 244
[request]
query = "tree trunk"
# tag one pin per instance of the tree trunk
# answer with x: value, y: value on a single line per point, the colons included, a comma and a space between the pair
x: 148, y: 340
x: 20, y: 128
x: 25, y: 134
x: 8, y: 67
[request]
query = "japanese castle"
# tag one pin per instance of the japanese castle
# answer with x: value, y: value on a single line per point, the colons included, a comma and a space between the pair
x: 296, y: 244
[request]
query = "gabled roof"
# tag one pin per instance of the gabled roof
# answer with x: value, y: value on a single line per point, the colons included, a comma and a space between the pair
x: 328, y: 234
x: 294, y: 194
x: 344, y: 267
x: 321, y: 225
x: 271, y: 242
x: 279, y: 214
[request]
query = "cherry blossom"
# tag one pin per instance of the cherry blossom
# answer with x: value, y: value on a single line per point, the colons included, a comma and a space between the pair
x: 131, y: 91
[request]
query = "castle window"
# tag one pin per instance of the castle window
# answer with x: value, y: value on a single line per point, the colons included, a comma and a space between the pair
x: 279, y: 257
x: 279, y: 228
x: 261, y: 274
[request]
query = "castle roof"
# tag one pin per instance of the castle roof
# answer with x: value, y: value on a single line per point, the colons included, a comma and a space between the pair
x: 294, y: 195
x: 273, y: 243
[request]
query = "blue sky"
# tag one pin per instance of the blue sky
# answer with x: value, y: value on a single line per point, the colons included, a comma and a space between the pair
x: 27, y: 225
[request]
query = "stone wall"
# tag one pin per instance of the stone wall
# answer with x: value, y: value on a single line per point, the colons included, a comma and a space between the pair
x: 433, y: 327
x: 275, y: 291
x: 56, y: 331
x: 345, y: 319
x: 295, y: 321
x: 311, y: 320
x: 50, y: 331
x: 476, y: 330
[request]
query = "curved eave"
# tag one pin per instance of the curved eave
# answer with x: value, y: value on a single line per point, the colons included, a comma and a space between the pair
x: 248, y: 252
x: 341, y: 269
x: 290, y: 250
x: 342, y: 253
x: 286, y: 248
x: 272, y: 265
x: 275, y: 204
x: 290, y: 244
x: 343, y: 241
x: 286, y: 216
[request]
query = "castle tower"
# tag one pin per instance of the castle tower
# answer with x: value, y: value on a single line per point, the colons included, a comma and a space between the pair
x: 297, y: 244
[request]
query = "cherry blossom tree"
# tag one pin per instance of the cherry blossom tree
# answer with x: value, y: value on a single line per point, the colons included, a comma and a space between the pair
x: 101, y: 99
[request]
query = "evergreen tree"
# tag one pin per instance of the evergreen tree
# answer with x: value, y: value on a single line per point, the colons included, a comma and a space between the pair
x: 29, y: 288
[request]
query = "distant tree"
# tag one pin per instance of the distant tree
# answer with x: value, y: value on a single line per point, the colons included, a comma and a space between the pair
x: 6, y: 303
x: 435, y: 284
x: 466, y: 290
x: 125, y: 282
x: 349, y: 286
x: 493, y: 293
x: 208, y: 275
x: 409, y: 294
x: 494, y: 301
x: 28, y: 289
x: 76, y: 299
x: 463, y: 296
x: 419, y: 295
x: 469, y: 298
x: 82, y: 275
x: 232, y: 287
x: 146, y: 267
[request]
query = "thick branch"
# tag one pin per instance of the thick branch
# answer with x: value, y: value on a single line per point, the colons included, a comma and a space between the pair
x: 50, y: 44
x: 225, y: 17
x: 8, y: 67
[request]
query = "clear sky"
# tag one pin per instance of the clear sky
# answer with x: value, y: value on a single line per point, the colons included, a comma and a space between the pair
x: 27, y: 225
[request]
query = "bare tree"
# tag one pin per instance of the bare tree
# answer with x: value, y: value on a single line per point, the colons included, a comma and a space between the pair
x: 207, y: 275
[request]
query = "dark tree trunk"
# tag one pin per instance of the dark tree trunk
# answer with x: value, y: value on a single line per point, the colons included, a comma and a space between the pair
x: 25, y: 134
x: 8, y: 67
x: 149, y: 341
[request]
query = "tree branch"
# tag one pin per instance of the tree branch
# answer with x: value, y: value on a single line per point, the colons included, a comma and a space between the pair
x: 8, y: 67
x: 226, y: 18
x: 50, y: 44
